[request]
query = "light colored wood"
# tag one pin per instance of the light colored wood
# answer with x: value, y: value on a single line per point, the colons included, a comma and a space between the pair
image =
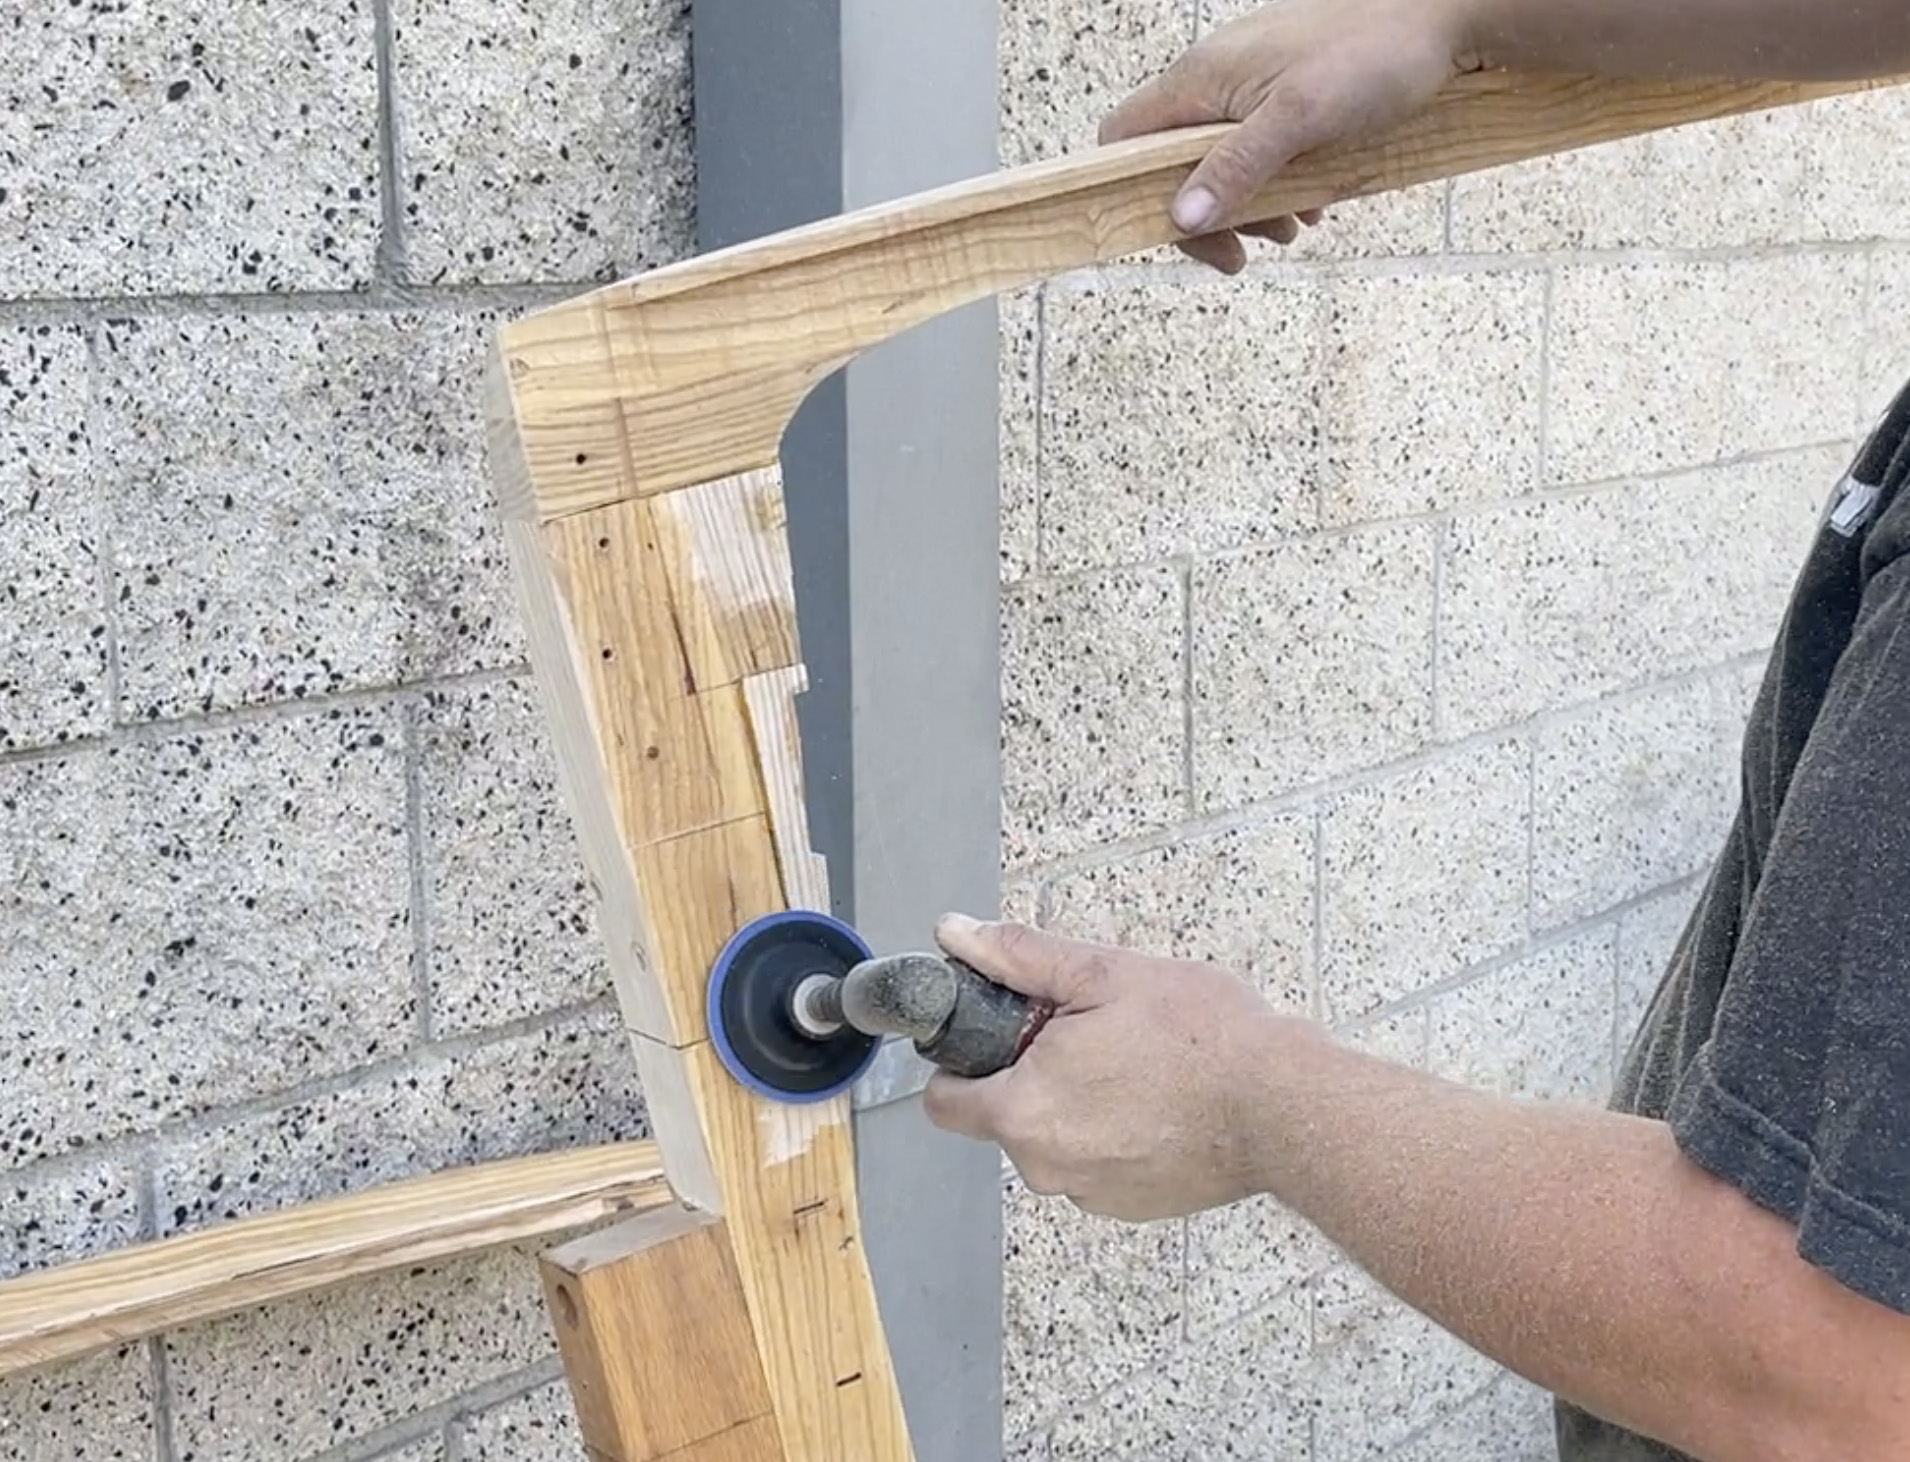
x: 778, y: 739
x: 722, y: 878
x: 148, y: 1289
x: 691, y: 372
x: 635, y: 432
x: 667, y: 628
x: 656, y: 1339
x: 750, y: 1442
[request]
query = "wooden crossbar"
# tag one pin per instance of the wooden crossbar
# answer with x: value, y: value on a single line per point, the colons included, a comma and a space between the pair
x: 75, y: 1309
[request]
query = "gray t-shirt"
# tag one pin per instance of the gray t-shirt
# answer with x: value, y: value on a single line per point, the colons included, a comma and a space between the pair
x: 1778, y: 1043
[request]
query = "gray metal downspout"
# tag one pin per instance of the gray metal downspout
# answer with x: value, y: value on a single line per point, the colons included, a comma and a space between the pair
x: 804, y: 108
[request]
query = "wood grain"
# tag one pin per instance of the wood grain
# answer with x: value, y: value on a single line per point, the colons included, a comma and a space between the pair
x: 690, y: 373
x: 148, y: 1289
x: 656, y: 1338
x: 771, y: 698
x: 664, y: 636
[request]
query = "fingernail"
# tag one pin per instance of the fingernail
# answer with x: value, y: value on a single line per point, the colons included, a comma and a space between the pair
x: 1194, y: 210
x: 959, y: 924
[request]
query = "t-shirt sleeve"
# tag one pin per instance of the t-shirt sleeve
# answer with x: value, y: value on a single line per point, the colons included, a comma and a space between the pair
x: 1801, y: 1095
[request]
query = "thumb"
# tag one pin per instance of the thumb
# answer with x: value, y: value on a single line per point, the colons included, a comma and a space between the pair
x: 1068, y: 973
x: 1244, y: 161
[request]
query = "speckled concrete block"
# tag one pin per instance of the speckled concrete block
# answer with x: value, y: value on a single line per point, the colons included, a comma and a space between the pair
x: 570, y: 1084
x: 1093, y: 741
x: 53, y: 661
x: 1566, y: 598
x: 1241, y: 1260
x: 1647, y: 938
x: 1422, y: 874
x: 1538, y: 1027
x: 543, y: 142
x: 1736, y: 181
x: 430, y: 1449
x: 95, y: 1410
x: 59, y: 1212
x: 1631, y: 795
x: 1086, y: 1301
x: 1242, y: 897
x: 363, y: 1356
x: 1035, y: 1447
x: 1510, y: 1421
x: 1236, y: 1395
x: 539, y: 1426
x: 188, y: 146
x: 508, y: 905
x: 1019, y: 376
x: 1021, y: 900
x: 1179, y: 414
x: 1849, y: 141
x: 1431, y: 391
x: 1310, y: 660
x: 311, y: 514
x: 1382, y: 1371
x: 200, y: 920
x: 1067, y: 63
x: 1886, y: 352
x: 1799, y: 174
x: 1666, y: 364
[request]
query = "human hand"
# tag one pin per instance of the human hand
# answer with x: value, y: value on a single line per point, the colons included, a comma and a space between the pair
x: 1297, y: 75
x: 1137, y: 1100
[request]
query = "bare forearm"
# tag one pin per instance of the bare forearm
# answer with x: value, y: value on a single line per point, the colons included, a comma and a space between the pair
x: 1575, y: 1246
x: 1796, y: 40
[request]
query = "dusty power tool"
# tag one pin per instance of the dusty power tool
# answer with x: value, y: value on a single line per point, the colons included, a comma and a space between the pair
x: 798, y: 1005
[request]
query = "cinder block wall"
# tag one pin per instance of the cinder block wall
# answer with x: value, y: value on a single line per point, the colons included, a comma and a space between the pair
x: 1384, y: 622
x: 1380, y: 622
x: 289, y: 903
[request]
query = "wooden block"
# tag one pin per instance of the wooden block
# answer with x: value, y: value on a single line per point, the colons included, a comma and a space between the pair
x: 790, y: 1199
x: 718, y: 880
x: 727, y: 557
x: 751, y: 1442
x: 658, y: 1344
x: 771, y: 698
x: 682, y: 593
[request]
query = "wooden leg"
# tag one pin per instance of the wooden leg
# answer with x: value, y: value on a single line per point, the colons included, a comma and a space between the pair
x: 663, y: 633
x: 656, y: 1338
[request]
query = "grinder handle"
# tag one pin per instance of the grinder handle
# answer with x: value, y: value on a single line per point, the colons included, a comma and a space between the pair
x: 988, y: 1028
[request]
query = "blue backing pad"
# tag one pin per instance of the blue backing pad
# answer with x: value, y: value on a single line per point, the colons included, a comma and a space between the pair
x: 747, y: 1007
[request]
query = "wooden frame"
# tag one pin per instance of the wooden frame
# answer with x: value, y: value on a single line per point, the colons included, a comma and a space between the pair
x: 635, y: 434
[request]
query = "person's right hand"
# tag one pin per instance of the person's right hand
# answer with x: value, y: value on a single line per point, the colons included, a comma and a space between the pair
x: 1297, y: 75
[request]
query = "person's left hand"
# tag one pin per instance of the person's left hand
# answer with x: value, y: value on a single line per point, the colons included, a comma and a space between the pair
x: 1137, y: 1100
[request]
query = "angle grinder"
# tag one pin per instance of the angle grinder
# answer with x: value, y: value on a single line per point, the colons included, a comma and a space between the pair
x: 798, y: 1005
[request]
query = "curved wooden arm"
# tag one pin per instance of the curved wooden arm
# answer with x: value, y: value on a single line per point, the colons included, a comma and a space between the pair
x: 72, y: 1310
x: 692, y: 372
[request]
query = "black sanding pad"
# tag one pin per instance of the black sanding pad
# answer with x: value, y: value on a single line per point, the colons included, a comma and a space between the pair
x: 750, y: 992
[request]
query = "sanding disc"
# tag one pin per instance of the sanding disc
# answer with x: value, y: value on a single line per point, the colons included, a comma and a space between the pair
x: 750, y: 991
